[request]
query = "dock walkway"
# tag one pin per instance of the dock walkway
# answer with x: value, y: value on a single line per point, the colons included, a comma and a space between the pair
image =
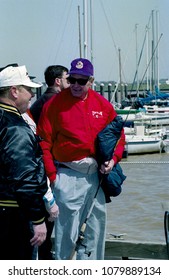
x: 135, y: 250
x: 124, y: 250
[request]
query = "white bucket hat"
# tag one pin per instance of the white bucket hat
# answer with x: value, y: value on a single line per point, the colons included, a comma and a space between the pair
x: 16, y: 76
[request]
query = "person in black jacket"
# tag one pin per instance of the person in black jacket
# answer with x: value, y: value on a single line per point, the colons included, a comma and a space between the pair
x: 23, y: 181
x: 56, y: 80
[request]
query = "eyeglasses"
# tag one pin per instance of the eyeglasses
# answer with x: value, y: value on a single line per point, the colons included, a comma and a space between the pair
x: 81, y: 82
x: 29, y: 89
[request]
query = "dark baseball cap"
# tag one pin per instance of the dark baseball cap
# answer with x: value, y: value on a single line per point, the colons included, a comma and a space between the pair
x: 81, y: 66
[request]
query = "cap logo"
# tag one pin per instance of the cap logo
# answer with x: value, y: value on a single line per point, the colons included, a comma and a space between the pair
x: 79, y: 65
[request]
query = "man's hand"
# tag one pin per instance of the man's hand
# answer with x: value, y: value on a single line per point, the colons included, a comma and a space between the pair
x: 107, y: 167
x: 39, y: 234
x: 53, y: 212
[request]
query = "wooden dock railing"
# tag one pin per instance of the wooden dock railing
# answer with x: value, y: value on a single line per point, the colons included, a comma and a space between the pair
x: 116, y: 249
x: 135, y: 250
x: 124, y: 250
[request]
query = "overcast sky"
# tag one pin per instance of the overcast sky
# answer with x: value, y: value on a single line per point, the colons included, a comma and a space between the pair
x: 38, y: 33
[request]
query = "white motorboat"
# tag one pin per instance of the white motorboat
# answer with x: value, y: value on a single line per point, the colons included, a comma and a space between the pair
x: 143, y: 144
x: 139, y: 143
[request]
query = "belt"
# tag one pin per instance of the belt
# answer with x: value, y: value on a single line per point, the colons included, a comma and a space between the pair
x: 63, y: 166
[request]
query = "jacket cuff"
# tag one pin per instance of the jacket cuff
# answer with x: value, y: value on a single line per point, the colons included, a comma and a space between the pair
x: 115, y: 159
x: 38, y: 222
x: 52, y: 178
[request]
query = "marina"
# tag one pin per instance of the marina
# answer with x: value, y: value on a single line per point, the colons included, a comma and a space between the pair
x: 137, y: 214
x: 129, y: 54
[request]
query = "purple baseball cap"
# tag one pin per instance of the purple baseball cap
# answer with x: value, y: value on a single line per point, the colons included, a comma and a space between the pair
x: 81, y: 66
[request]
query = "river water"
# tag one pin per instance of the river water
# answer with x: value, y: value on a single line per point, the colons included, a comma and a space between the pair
x: 138, y: 212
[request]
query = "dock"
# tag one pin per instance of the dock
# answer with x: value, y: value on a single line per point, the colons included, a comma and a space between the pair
x: 125, y: 250
x: 117, y: 248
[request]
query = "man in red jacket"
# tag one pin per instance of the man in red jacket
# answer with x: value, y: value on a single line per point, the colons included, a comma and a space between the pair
x: 69, y: 124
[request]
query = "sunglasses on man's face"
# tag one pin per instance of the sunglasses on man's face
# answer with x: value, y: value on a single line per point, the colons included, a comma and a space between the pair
x: 81, y: 82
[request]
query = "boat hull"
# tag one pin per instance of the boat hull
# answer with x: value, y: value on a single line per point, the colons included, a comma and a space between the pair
x: 144, y: 146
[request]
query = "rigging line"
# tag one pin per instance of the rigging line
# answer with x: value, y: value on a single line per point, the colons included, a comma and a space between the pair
x: 147, y: 27
x: 117, y: 84
x: 127, y: 54
x: 137, y: 68
x: 123, y: 75
x: 109, y: 28
x: 149, y: 62
x: 139, y: 61
x: 64, y: 28
x: 144, y: 75
x: 115, y: 46
x: 54, y: 45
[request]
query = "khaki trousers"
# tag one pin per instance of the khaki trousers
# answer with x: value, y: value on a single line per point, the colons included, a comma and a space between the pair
x: 74, y: 193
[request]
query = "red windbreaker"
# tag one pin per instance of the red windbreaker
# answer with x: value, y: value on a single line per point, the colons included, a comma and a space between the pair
x: 69, y: 127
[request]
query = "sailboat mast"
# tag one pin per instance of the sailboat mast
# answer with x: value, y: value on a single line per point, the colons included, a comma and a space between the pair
x: 153, y: 57
x: 80, y: 45
x: 120, y: 75
x: 91, y: 30
x: 147, y: 57
x: 157, y: 52
x: 85, y: 16
x: 137, y: 58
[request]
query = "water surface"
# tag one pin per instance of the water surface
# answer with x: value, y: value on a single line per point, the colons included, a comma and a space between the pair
x: 138, y: 211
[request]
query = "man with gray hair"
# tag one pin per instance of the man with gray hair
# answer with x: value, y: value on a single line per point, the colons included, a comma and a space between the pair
x: 69, y: 125
x: 23, y: 181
